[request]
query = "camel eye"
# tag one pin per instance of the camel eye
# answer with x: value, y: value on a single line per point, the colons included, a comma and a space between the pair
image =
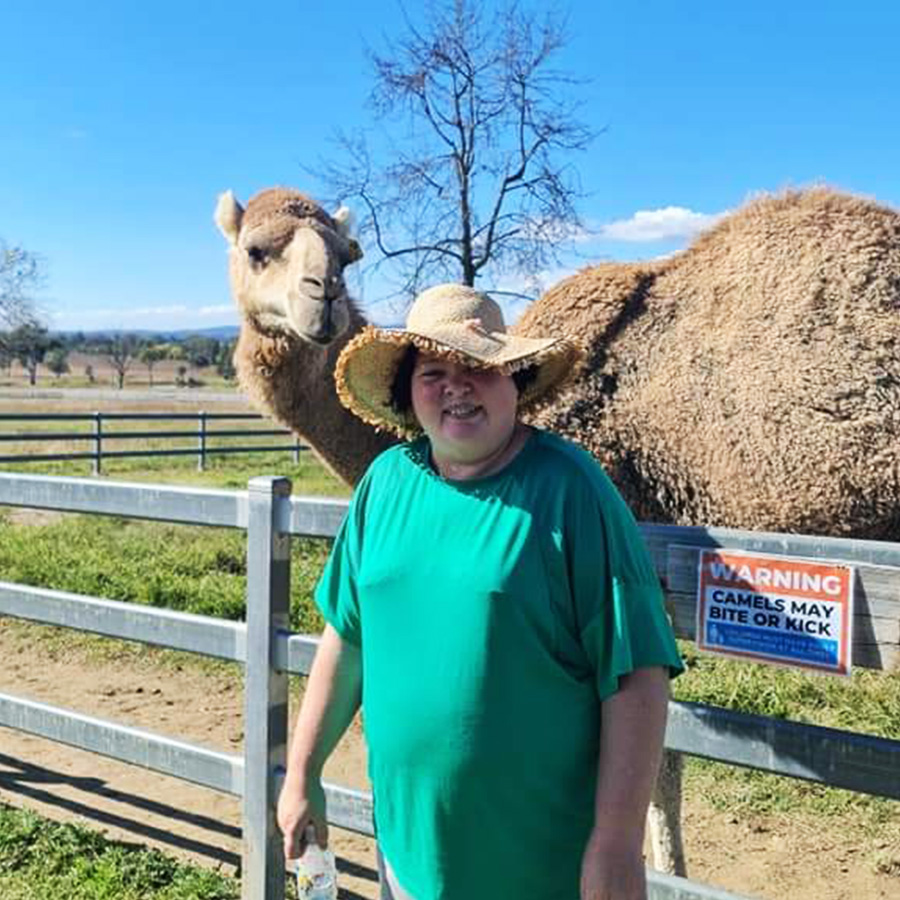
x: 258, y: 255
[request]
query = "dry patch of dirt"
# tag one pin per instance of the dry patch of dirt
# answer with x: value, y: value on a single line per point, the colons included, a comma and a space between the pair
x: 22, y: 515
x: 767, y: 857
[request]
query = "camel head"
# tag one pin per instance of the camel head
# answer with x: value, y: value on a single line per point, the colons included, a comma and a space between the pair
x: 286, y: 263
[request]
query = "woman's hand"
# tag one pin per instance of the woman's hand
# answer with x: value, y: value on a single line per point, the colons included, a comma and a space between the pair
x: 612, y: 868
x: 300, y: 806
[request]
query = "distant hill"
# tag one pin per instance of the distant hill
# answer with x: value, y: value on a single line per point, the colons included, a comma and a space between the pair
x: 220, y: 333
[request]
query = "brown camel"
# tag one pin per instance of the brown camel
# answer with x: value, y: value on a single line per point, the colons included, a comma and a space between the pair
x: 751, y: 381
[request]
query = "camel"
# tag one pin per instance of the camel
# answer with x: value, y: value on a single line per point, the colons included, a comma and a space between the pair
x: 750, y: 381
x: 286, y: 262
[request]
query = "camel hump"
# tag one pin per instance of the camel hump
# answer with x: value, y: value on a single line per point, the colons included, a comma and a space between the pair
x: 590, y: 301
x: 804, y: 249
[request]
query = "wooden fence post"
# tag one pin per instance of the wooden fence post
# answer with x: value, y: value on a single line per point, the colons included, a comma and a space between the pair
x: 98, y: 443
x: 201, y: 444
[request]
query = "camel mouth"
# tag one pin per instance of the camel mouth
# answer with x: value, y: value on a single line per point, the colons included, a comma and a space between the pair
x: 322, y: 338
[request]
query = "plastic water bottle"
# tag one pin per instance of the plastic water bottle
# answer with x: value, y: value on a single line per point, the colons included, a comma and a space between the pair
x: 316, y: 871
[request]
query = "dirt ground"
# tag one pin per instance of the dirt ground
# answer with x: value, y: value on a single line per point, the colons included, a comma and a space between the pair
x: 762, y: 857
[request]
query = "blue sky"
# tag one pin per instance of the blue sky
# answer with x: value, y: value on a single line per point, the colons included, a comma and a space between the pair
x: 121, y: 123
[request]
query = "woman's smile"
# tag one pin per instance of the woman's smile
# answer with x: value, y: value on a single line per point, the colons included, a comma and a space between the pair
x: 463, y: 411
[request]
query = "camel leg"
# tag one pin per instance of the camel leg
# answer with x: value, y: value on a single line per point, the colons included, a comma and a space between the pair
x: 664, y: 817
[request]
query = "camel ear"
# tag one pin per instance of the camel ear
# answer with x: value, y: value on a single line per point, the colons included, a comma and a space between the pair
x: 228, y: 216
x: 354, y: 251
x: 343, y: 218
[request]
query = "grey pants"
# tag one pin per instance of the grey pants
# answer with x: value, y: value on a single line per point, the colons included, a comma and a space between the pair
x: 390, y: 889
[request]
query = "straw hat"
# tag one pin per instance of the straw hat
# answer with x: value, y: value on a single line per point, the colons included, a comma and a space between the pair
x: 459, y: 324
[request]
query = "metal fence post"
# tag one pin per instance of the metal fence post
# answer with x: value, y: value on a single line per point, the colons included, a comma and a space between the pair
x: 98, y: 442
x: 201, y: 445
x: 265, y: 689
x: 296, y: 451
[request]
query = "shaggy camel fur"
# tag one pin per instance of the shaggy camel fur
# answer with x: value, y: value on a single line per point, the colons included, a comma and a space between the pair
x: 751, y: 381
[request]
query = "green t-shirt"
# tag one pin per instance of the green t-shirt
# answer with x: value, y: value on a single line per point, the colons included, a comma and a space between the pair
x: 494, y: 616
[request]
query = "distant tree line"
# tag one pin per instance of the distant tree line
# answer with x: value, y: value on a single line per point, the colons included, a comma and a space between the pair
x: 31, y: 344
x: 24, y: 339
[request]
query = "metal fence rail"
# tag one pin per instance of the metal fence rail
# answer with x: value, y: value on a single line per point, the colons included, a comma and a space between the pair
x: 199, y: 765
x: 269, y: 652
x: 100, y: 438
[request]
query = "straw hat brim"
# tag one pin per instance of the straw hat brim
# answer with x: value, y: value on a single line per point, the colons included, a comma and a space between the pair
x: 367, y: 365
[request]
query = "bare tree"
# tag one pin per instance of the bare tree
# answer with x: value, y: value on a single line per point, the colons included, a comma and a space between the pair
x: 20, y: 275
x: 121, y: 352
x: 479, y: 179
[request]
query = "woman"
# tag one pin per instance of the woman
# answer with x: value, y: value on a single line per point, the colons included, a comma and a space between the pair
x: 495, y: 591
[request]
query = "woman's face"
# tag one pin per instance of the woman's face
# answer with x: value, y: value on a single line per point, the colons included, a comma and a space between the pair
x: 468, y: 414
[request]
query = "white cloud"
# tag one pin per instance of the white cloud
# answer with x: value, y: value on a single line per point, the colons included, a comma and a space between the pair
x: 667, y: 223
x: 151, y: 312
x: 223, y: 309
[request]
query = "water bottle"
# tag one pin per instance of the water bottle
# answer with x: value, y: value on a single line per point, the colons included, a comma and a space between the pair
x: 316, y: 872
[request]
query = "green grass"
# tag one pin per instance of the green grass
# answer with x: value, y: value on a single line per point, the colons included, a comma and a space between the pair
x: 868, y: 702
x: 186, y: 568
x: 42, y: 859
x: 234, y: 470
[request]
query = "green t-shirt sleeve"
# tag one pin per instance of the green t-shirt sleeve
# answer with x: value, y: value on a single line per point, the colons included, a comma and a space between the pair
x: 619, y: 604
x: 336, y: 594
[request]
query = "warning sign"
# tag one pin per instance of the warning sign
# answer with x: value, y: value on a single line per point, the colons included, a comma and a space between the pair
x: 776, y: 609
